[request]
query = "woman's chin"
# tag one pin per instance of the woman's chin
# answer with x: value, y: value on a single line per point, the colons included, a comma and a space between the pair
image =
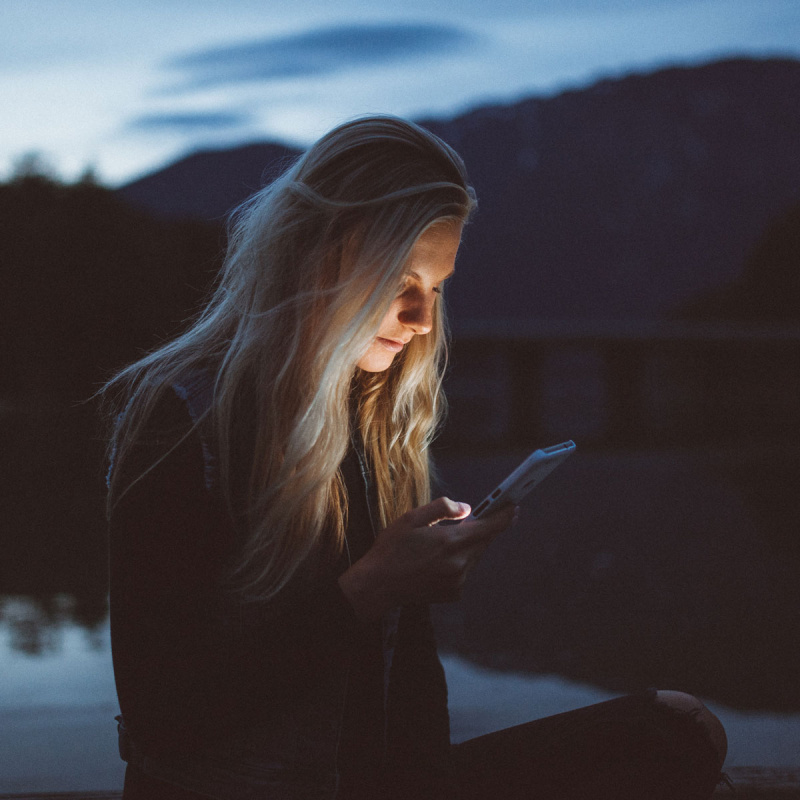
x: 376, y: 361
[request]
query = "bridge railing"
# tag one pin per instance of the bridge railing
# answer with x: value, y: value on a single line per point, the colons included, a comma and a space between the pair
x: 623, y: 384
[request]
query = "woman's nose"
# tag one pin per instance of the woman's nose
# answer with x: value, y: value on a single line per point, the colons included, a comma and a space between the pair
x: 418, y: 316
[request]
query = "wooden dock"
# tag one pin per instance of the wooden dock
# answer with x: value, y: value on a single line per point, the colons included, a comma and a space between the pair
x: 748, y: 783
x: 761, y: 783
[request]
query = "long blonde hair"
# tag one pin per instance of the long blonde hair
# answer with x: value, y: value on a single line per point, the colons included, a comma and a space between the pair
x: 314, y: 261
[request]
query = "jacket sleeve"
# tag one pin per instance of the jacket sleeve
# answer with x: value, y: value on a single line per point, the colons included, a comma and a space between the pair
x: 187, y: 668
x: 418, y: 720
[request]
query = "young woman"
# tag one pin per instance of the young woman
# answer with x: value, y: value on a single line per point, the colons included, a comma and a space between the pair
x: 274, y: 547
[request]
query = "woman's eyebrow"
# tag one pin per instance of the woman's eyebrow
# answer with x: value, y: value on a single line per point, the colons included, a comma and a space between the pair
x: 416, y: 275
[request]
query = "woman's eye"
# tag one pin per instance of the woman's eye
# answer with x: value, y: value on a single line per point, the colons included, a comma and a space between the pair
x: 407, y: 284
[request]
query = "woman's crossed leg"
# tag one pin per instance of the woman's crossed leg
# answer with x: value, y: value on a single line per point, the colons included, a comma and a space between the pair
x: 655, y: 745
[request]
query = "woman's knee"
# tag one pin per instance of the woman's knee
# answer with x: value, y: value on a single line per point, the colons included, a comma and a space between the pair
x: 688, y: 704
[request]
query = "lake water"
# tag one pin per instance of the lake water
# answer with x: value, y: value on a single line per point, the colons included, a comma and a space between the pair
x: 57, y: 707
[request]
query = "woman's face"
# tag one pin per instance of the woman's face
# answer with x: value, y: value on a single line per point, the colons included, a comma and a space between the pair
x: 431, y: 261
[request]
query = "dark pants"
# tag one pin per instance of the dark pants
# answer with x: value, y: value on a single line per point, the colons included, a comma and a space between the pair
x: 629, y: 748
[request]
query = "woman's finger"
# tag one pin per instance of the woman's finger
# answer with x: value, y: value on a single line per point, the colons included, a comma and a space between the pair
x: 439, y: 509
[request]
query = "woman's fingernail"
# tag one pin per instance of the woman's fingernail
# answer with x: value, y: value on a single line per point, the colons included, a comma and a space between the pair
x: 464, y: 507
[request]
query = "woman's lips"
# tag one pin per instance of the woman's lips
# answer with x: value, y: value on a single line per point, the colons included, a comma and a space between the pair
x: 391, y: 344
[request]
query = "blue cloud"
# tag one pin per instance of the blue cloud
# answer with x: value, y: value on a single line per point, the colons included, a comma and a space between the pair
x: 191, y: 122
x: 318, y: 52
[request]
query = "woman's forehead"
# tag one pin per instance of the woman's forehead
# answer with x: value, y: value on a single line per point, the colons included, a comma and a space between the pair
x: 436, y: 248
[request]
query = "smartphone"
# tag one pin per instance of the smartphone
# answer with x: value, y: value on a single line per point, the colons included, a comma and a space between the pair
x: 531, y: 472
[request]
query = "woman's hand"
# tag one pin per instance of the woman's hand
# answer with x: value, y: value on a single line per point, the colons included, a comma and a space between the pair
x: 415, y: 560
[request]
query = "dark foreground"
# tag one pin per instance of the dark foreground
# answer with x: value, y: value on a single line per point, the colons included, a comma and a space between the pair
x: 746, y: 782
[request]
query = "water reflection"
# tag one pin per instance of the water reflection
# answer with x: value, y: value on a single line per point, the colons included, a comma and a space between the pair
x: 675, y: 568
x: 58, y: 690
x: 35, y: 625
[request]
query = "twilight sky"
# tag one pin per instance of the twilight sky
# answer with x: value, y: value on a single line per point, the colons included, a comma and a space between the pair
x: 126, y: 86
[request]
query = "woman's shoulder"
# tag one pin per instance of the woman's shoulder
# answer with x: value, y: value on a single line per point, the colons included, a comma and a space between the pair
x: 195, y: 388
x: 180, y: 404
x: 179, y: 415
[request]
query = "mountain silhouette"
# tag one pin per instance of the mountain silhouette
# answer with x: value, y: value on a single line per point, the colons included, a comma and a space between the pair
x: 621, y: 201
x: 769, y: 286
x: 208, y: 184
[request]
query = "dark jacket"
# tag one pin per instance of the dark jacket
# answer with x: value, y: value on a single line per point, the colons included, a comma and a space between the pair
x: 291, y: 699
